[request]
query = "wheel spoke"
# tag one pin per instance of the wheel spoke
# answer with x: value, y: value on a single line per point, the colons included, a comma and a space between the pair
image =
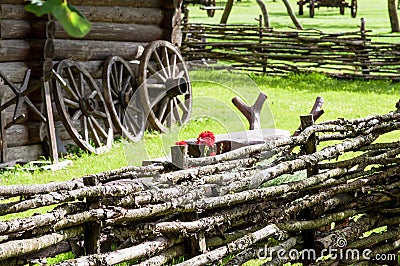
x: 99, y: 129
x: 85, y: 129
x: 176, y: 111
x: 77, y: 115
x: 114, y: 86
x: 81, y: 84
x: 99, y: 114
x: 173, y: 59
x: 132, y: 124
x: 115, y: 77
x: 163, y: 105
x: 93, y: 94
x: 71, y: 103
x: 182, y: 105
x: 166, y: 61
x: 155, y: 86
x: 70, y: 91
x: 94, y: 134
x: 181, y: 74
x: 73, y: 87
x: 156, y: 73
x: 120, y: 77
x: 158, y: 60
x: 170, y: 114
x: 126, y: 83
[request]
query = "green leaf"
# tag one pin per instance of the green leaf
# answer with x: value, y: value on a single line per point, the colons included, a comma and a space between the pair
x: 72, y: 20
x: 40, y: 8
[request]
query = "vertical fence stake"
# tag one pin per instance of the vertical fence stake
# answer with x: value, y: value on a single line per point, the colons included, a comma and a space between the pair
x: 93, y: 229
x: 311, y: 145
x: 196, y: 243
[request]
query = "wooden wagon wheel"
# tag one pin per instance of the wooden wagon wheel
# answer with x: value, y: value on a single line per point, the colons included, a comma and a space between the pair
x: 301, y: 4
x: 82, y: 108
x: 119, y: 84
x: 353, y: 8
x: 312, y: 8
x: 166, y: 92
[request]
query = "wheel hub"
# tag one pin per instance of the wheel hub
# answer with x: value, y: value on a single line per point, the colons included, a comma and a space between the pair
x: 176, y: 86
x: 88, y: 105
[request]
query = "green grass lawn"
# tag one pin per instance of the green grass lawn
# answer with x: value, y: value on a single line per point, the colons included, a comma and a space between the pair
x: 325, y: 19
x: 288, y: 98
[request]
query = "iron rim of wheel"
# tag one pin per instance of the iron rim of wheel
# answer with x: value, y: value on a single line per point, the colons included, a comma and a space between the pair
x: 161, y: 65
x: 82, y: 108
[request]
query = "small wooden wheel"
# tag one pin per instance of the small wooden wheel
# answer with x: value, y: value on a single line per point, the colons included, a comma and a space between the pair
x: 165, y: 89
x: 82, y: 108
x: 119, y: 84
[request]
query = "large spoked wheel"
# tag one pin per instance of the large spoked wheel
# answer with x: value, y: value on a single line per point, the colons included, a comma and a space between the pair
x: 166, y: 92
x: 353, y: 8
x: 82, y: 108
x: 119, y: 84
x: 312, y: 8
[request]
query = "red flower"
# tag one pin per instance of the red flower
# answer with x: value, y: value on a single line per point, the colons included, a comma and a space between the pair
x: 181, y: 143
x: 206, y: 137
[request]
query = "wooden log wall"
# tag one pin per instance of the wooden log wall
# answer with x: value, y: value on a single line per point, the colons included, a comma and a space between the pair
x: 224, y: 207
x: 349, y: 54
x: 120, y: 28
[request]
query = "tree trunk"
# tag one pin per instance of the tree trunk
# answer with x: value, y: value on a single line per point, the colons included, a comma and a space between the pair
x: 264, y: 12
x: 292, y: 15
x: 227, y: 12
x: 394, y: 19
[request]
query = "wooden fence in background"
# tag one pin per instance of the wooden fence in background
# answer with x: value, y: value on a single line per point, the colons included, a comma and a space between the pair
x: 223, y: 205
x: 260, y: 49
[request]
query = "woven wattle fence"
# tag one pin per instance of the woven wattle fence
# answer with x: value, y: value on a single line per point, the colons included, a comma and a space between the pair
x: 259, y: 49
x: 339, y: 182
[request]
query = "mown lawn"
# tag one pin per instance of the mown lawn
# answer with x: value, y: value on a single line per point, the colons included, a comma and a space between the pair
x: 326, y: 19
x: 288, y: 98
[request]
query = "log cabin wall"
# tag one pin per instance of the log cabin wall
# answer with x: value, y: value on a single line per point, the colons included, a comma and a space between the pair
x: 119, y: 27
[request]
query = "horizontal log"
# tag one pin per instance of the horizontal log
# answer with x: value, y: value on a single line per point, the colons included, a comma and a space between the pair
x: 25, y: 246
x: 15, y: 11
x: 25, y: 153
x: 24, y: 134
x: 129, y: 3
x: 14, y: 29
x: 122, y: 14
x: 82, y: 50
x: 106, y: 31
x: 15, y: 71
x: 14, y: 50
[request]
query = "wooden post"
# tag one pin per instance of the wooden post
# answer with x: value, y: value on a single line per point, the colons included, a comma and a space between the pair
x: 195, y: 243
x: 311, y: 144
x: 93, y: 229
x: 3, y: 138
x: 179, y: 156
x: 51, y: 131
x: 364, y: 52
x: 252, y: 113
